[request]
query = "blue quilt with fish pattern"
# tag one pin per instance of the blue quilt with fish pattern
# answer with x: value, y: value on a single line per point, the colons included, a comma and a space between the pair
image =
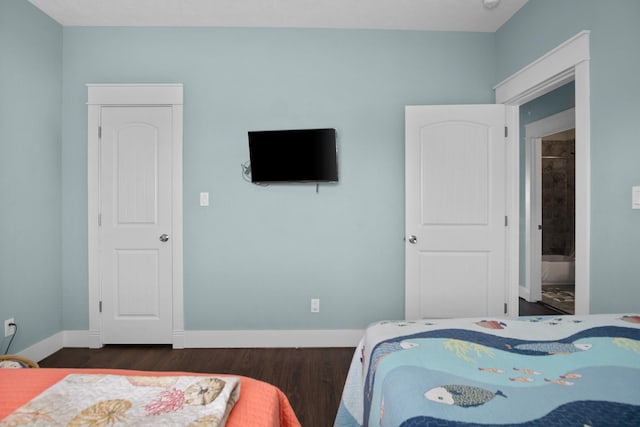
x: 531, y: 371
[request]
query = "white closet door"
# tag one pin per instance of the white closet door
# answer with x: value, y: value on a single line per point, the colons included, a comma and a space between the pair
x: 135, y: 234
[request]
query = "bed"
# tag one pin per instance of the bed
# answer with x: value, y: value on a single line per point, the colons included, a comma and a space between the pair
x: 56, y: 396
x: 533, y: 371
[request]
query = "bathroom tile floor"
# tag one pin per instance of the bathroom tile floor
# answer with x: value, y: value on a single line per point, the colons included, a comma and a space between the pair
x: 559, y: 297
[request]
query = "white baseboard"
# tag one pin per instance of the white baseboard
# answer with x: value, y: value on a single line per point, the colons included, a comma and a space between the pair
x: 211, y: 339
x: 55, y: 342
x: 44, y: 348
x: 524, y: 293
x: 76, y: 339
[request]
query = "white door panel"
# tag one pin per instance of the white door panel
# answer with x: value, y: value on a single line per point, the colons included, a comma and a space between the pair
x: 136, y: 266
x: 455, y: 208
x: 136, y: 295
x: 137, y: 174
x: 453, y: 296
x: 454, y: 195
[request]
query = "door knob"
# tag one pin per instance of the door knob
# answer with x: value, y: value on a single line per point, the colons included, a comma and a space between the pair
x: 413, y: 239
x: 164, y: 237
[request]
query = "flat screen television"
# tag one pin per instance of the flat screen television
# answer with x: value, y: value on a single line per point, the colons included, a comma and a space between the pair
x: 297, y: 155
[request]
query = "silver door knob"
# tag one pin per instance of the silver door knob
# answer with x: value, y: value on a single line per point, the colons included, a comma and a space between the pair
x: 164, y: 237
x: 413, y: 239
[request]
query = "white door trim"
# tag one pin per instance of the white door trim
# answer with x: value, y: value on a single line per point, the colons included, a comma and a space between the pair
x: 567, y: 62
x: 145, y: 95
x: 534, y: 132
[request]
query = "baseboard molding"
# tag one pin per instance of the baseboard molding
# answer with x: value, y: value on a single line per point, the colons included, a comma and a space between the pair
x: 77, y: 339
x: 524, y: 293
x: 44, y: 348
x: 210, y: 339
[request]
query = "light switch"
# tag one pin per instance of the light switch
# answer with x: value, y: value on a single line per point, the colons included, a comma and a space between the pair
x: 635, y: 197
x: 204, y: 199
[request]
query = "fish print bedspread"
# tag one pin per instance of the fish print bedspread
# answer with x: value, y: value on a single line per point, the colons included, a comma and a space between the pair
x: 533, y: 371
x: 122, y: 400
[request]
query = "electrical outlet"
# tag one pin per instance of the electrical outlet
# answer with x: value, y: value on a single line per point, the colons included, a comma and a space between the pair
x: 315, y: 305
x: 9, y: 330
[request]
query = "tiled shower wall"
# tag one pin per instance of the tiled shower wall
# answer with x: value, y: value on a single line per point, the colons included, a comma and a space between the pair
x: 558, y: 196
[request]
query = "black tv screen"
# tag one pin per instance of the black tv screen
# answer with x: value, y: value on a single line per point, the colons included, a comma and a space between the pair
x: 298, y: 155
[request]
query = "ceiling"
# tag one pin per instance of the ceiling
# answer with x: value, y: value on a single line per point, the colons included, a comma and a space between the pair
x: 433, y: 15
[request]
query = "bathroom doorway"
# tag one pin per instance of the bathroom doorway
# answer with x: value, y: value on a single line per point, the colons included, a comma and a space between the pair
x: 550, y: 194
x: 558, y: 186
x: 567, y: 63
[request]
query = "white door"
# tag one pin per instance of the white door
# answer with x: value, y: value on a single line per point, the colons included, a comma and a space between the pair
x: 455, y: 211
x: 135, y: 224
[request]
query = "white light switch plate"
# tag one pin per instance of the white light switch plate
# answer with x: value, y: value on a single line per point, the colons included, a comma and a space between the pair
x: 204, y: 199
x: 635, y: 197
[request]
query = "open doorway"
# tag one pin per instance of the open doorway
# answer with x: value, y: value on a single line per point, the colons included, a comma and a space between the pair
x: 557, y: 178
x: 566, y: 63
x: 549, y: 204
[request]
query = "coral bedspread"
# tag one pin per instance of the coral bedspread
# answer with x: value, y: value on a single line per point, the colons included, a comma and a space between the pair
x: 260, y: 404
x: 542, y: 371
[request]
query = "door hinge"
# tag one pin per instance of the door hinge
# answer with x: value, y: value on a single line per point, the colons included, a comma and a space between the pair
x: 100, y: 306
x: 506, y: 132
x: 506, y: 221
x: 99, y: 132
x: 505, y: 308
x: 99, y: 220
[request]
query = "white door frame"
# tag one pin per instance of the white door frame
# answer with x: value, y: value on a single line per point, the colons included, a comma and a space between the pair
x: 567, y: 62
x: 534, y: 132
x: 140, y: 95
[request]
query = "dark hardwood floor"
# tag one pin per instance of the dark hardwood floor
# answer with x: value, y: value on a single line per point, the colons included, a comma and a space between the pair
x: 312, y: 378
x: 537, y: 309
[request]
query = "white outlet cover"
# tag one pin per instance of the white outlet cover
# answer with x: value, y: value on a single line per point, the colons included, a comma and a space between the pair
x: 9, y: 330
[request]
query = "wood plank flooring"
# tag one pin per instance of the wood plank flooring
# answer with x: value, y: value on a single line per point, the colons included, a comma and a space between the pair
x: 537, y: 309
x: 312, y: 378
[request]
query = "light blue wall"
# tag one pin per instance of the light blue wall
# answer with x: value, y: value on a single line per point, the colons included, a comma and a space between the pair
x: 30, y: 112
x: 615, y: 145
x: 257, y: 255
x: 556, y: 101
